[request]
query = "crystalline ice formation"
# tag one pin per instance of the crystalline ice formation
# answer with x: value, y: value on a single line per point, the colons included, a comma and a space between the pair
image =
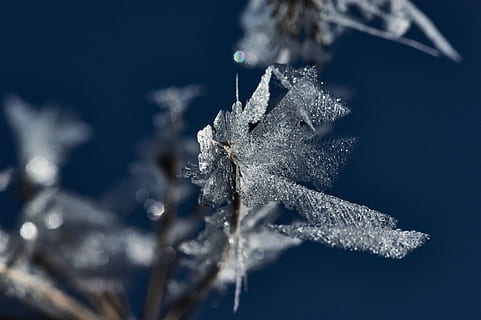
x: 43, y: 137
x: 260, y: 153
x: 256, y: 245
x: 280, y: 31
x: 273, y: 154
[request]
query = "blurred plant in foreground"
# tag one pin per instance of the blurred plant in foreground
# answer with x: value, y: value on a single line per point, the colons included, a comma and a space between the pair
x: 72, y: 257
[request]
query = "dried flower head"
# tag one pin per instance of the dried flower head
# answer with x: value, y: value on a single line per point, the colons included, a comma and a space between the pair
x: 280, y: 31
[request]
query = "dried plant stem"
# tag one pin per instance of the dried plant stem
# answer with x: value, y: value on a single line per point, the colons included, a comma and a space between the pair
x: 163, y: 260
x: 186, y: 302
x: 55, y: 266
x: 109, y: 304
x: 64, y: 304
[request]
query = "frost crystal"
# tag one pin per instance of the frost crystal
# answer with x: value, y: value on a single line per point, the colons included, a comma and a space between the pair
x: 283, y: 30
x: 256, y: 245
x: 44, y: 137
x: 274, y: 154
x: 259, y: 154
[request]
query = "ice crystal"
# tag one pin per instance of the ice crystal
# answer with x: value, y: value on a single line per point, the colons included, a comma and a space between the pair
x: 273, y: 154
x: 283, y: 30
x: 262, y: 153
x: 255, y: 246
x: 282, y: 142
x: 43, y: 137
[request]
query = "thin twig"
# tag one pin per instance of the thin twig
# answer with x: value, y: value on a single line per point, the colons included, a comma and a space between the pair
x: 51, y: 296
x: 163, y: 259
x: 103, y: 301
x: 186, y: 302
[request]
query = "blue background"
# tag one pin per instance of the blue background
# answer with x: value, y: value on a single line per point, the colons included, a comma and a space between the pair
x: 417, y: 119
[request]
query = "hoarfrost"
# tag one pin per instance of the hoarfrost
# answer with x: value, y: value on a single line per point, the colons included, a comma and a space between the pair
x: 256, y: 245
x: 274, y: 155
x: 385, y: 242
x: 282, y: 30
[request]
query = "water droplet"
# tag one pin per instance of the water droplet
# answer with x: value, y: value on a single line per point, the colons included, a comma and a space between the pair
x: 28, y: 231
x: 258, y: 254
x: 42, y: 171
x: 155, y: 209
x: 239, y: 56
x: 53, y: 220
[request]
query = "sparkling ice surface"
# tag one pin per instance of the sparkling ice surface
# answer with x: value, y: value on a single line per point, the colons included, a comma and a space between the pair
x: 275, y: 154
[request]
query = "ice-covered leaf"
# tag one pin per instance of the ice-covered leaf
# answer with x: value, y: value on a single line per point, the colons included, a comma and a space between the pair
x: 385, y: 242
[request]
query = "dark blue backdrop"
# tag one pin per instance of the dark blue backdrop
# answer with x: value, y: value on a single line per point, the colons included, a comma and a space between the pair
x: 417, y: 119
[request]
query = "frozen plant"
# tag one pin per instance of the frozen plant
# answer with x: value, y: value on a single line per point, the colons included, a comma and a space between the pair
x: 281, y: 31
x: 157, y: 174
x: 43, y: 137
x: 152, y: 179
x: 70, y: 257
x: 256, y: 245
x: 257, y: 154
x: 63, y: 242
x: 87, y: 240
